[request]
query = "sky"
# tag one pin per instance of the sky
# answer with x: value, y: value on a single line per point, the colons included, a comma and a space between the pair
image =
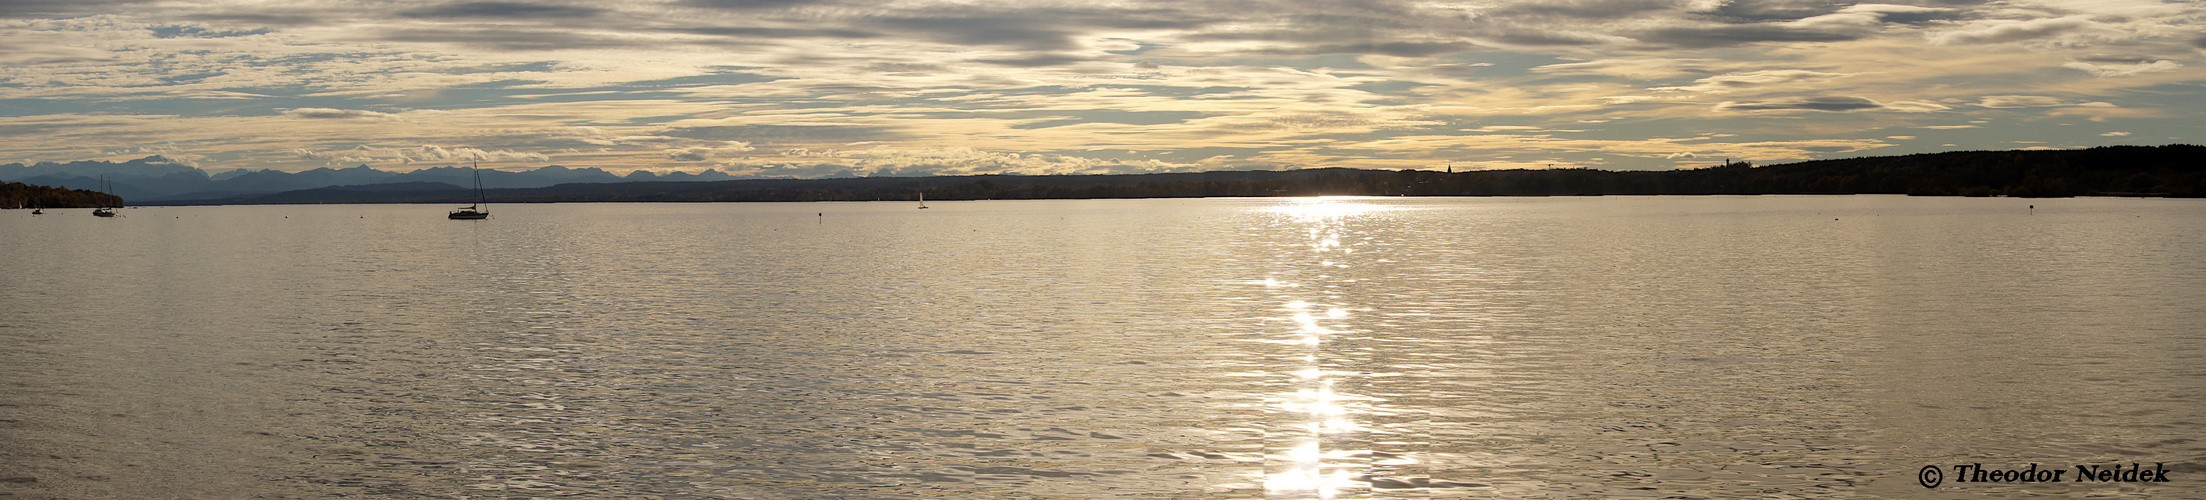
x: 816, y: 88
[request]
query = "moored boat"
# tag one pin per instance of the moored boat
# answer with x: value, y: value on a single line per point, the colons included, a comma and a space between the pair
x: 478, y: 211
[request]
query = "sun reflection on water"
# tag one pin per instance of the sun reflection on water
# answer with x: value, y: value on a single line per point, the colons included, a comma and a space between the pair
x: 1318, y: 445
x: 1325, y: 207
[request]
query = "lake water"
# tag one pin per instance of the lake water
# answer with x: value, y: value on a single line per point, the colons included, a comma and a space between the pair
x: 1217, y: 348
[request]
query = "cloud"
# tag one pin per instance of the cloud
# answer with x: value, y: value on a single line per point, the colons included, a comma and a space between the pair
x: 1829, y: 104
x: 512, y: 39
x: 502, y: 10
x: 750, y: 33
x: 60, y: 125
x: 1276, y: 83
x: 1682, y: 154
x: 1773, y: 10
x: 786, y: 134
x: 2009, y: 31
x: 1700, y: 37
x: 1005, y: 30
x: 1915, y: 106
x: 1555, y: 38
x: 1038, y: 28
x: 2018, y: 101
x: 1808, y: 103
x: 1387, y: 48
x: 425, y: 153
x: 61, y: 8
x: 27, y: 55
x: 180, y: 31
x: 890, y: 67
x: 266, y: 16
x: 2120, y: 70
x: 2114, y: 134
x: 894, y: 161
x: 704, y: 153
x: 751, y: 4
x: 1906, y: 14
x: 1635, y: 68
x: 1580, y: 9
x: 337, y: 114
x: 195, y: 95
x: 1035, y: 61
x: 528, y: 67
x: 1733, y: 81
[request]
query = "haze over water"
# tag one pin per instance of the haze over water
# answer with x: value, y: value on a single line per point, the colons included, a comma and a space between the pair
x: 1214, y: 348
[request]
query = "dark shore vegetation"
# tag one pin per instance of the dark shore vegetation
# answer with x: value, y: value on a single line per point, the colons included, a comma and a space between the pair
x: 2159, y: 171
x: 20, y: 195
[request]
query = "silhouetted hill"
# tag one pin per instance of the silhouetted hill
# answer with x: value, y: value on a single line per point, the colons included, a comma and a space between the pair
x: 2172, y: 171
x: 20, y: 195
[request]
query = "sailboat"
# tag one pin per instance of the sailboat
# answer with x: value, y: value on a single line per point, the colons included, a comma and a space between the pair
x: 922, y: 200
x: 481, y: 209
x: 104, y: 210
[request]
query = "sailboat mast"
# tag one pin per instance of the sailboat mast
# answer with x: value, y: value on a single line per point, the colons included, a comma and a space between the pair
x: 480, y: 200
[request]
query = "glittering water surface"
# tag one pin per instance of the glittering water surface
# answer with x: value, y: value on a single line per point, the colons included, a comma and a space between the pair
x: 1222, y: 348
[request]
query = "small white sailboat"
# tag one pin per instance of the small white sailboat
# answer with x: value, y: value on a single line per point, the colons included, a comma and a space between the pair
x: 922, y: 200
x: 104, y: 210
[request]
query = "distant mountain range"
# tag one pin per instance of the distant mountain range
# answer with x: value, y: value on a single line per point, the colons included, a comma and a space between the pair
x: 2164, y: 171
x: 157, y: 178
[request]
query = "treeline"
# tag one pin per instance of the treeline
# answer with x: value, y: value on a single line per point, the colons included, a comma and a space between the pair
x: 20, y: 195
x: 2164, y: 171
x: 2168, y: 171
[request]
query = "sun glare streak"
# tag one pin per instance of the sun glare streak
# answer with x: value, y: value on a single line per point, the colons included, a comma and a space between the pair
x: 1308, y: 477
x: 1323, y: 209
x: 1319, y: 450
